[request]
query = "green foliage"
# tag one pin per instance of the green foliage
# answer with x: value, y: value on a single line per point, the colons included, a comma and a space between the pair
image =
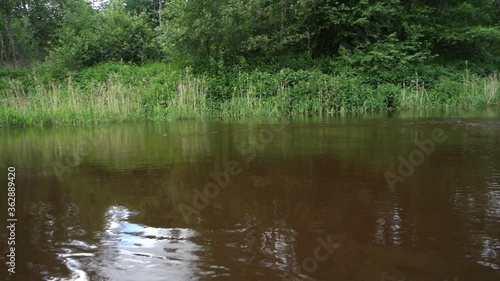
x: 114, y: 92
x: 26, y: 28
x: 238, y: 58
x: 386, y: 41
x: 201, y: 31
x: 88, y: 37
x: 469, y: 30
x: 19, y: 74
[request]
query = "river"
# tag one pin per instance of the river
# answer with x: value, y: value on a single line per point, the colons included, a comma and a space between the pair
x: 403, y: 196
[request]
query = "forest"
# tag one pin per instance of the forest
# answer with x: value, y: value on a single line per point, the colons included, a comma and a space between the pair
x: 81, y: 62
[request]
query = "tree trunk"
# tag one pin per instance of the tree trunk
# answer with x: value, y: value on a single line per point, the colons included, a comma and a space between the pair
x: 159, y: 11
x: 11, y: 39
x: 282, y: 21
x: 2, y: 50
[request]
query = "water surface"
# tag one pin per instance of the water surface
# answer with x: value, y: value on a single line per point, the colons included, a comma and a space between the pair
x: 122, y: 202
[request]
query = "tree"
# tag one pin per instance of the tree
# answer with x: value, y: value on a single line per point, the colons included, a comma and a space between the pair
x: 226, y: 29
x: 26, y: 28
x: 88, y: 37
x: 8, y: 12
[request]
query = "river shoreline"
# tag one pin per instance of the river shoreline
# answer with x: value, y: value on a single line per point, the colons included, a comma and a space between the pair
x: 113, y: 93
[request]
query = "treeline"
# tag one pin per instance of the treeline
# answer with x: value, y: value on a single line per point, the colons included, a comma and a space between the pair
x: 131, y: 60
x: 375, y: 37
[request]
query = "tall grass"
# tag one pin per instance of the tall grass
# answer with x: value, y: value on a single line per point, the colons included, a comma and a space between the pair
x: 469, y: 93
x: 56, y: 104
x: 249, y: 99
x: 190, y: 99
x: 156, y: 92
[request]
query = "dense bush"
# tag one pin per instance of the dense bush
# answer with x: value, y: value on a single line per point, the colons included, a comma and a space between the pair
x: 113, y: 92
x: 88, y: 37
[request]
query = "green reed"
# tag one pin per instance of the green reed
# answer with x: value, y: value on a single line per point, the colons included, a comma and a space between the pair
x: 115, y: 93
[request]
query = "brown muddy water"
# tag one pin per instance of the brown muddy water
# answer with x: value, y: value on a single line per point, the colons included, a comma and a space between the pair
x: 409, y: 196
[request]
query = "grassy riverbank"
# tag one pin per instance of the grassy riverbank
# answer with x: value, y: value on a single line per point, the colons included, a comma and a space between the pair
x: 120, y: 93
